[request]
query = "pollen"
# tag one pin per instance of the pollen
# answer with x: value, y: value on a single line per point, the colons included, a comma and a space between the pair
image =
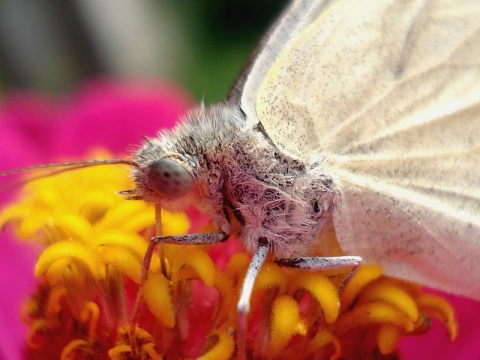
x: 90, y: 273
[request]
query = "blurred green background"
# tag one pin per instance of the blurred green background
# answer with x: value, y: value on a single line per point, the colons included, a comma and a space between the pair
x: 52, y: 45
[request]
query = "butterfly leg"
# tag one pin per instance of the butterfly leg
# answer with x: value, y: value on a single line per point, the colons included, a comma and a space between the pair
x: 325, y: 263
x: 190, y: 239
x: 243, y: 305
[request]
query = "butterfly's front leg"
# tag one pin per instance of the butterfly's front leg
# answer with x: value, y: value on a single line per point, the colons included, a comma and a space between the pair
x: 191, y: 239
x: 188, y: 239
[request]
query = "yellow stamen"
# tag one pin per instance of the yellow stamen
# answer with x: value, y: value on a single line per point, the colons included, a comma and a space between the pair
x: 388, y: 292
x: 272, y: 276
x: 285, y: 318
x: 227, y: 311
x: 373, y: 313
x: 68, y: 249
x: 128, y: 240
x: 69, y: 226
x: 79, y: 346
x: 237, y: 267
x: 34, y: 338
x: 196, y: 260
x: 388, y: 336
x: 91, y: 314
x: 441, y: 309
x: 54, y: 304
x: 364, y: 275
x: 150, y: 350
x: 117, y: 351
x: 322, y: 339
x: 156, y: 292
x: 127, y: 215
x: 222, y: 350
x: 122, y: 259
x: 323, y: 291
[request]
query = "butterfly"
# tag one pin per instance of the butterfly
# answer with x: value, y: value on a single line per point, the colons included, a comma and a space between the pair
x: 364, y: 116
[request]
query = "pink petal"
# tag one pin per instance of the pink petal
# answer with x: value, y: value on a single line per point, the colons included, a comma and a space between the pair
x: 116, y: 115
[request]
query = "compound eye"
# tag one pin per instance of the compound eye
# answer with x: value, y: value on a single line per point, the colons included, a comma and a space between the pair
x: 169, y: 179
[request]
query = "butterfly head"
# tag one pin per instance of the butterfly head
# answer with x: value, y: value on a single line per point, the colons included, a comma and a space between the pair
x: 164, y: 175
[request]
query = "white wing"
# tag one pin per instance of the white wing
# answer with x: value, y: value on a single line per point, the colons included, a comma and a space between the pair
x: 293, y: 21
x: 387, y: 93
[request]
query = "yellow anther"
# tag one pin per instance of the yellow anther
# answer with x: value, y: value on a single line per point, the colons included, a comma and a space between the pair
x: 156, y: 292
x: 68, y: 249
x: 222, y: 350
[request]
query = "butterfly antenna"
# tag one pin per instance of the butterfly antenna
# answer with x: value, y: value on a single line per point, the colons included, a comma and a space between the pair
x: 66, y: 166
x: 74, y: 165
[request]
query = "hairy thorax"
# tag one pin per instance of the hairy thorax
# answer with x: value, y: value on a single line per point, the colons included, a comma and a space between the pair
x: 242, y: 178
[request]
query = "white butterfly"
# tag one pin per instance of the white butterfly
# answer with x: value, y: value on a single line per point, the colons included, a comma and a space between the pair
x: 360, y: 114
